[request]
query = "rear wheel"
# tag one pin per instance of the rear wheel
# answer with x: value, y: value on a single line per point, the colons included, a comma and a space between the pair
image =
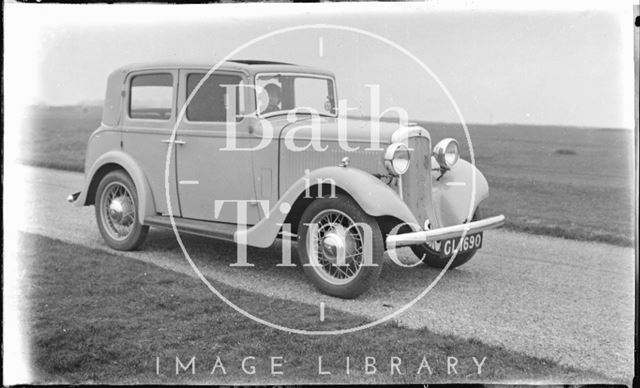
x: 333, y: 237
x: 116, y: 206
x: 435, y: 260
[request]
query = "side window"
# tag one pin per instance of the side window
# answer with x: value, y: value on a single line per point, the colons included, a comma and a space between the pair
x: 151, y: 96
x: 210, y: 102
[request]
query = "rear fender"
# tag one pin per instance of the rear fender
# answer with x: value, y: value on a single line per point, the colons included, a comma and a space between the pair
x: 374, y: 197
x: 114, y: 159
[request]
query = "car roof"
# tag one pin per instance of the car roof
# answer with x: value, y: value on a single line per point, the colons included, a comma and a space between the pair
x: 248, y: 66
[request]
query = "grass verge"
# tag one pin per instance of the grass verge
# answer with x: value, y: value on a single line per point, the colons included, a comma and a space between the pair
x: 101, y: 318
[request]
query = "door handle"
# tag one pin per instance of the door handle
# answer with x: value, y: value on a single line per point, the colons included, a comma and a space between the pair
x: 177, y: 141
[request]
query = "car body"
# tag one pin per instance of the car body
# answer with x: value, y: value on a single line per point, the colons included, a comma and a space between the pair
x: 163, y: 152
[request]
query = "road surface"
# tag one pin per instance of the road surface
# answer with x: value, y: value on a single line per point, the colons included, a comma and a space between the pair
x: 568, y: 301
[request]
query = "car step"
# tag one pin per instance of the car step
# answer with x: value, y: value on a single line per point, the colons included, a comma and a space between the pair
x: 216, y: 230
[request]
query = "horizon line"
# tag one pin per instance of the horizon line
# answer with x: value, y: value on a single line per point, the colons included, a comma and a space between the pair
x: 390, y: 119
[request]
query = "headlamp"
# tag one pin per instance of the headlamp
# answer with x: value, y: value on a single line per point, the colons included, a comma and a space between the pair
x: 447, y: 153
x: 397, y: 158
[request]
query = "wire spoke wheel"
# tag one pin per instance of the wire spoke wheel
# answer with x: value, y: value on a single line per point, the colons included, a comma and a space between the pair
x: 336, y: 247
x: 341, y: 247
x: 118, y: 211
x: 116, y: 207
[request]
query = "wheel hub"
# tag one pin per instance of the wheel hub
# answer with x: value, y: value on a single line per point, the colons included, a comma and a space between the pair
x: 119, y: 210
x: 337, y: 245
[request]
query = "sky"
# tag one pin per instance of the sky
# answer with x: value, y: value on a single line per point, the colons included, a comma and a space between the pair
x: 494, y: 62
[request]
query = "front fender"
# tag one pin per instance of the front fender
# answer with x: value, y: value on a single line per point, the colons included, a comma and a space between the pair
x: 374, y: 197
x: 146, y: 204
x: 453, y: 194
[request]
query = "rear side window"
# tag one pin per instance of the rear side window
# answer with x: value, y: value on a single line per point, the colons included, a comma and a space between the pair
x: 210, y: 102
x: 151, y: 96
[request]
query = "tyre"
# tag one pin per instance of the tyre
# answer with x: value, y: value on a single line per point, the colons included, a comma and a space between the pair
x: 332, y: 247
x: 116, y: 206
x: 433, y: 259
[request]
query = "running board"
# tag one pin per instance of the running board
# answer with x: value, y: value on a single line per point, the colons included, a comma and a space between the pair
x: 215, y: 230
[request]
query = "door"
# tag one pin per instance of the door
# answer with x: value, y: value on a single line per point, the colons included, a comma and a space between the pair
x: 149, y: 116
x: 206, y: 173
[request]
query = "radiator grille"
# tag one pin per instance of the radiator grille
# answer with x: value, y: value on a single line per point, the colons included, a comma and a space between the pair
x: 416, y: 182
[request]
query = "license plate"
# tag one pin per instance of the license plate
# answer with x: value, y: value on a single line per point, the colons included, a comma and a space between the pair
x: 447, y: 247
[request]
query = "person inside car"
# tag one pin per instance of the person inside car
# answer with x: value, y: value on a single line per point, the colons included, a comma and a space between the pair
x: 274, y: 93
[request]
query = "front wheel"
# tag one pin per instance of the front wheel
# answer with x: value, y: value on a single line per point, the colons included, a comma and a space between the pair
x: 340, y: 247
x: 117, y: 215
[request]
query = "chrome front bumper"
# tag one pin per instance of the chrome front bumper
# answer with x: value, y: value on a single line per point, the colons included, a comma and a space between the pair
x: 416, y: 238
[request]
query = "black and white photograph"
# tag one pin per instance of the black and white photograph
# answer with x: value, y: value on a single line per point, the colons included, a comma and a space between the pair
x: 252, y: 193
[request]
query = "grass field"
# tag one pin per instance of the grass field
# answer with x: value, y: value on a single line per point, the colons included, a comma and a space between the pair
x: 100, y: 318
x: 560, y: 181
x: 57, y: 136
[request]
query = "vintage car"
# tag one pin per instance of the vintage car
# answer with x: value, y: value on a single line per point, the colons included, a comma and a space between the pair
x: 343, y: 189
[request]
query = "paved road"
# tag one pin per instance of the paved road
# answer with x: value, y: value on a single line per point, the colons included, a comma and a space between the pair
x: 565, y: 300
